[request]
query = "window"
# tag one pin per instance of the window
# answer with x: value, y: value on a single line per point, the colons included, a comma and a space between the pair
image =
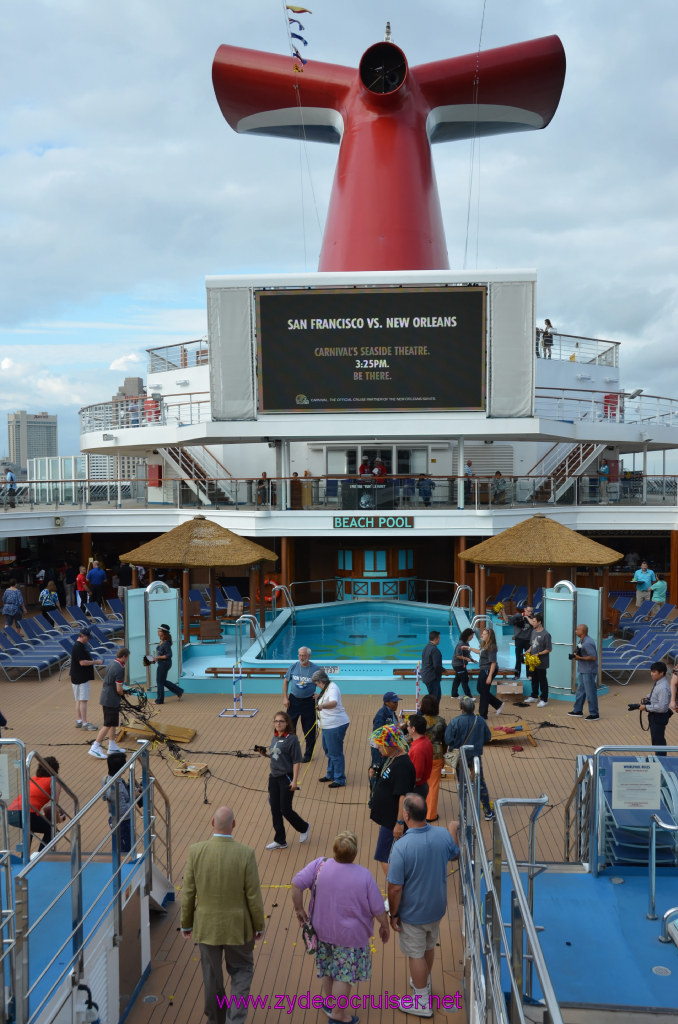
x: 375, y: 563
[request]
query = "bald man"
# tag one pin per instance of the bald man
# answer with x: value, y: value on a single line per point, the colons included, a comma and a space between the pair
x: 222, y: 908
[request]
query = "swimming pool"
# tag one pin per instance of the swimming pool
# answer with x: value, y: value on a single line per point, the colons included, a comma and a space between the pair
x: 359, y: 643
x: 389, y: 631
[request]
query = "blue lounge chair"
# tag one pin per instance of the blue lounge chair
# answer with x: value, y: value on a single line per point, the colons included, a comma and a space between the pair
x: 99, y: 615
x: 505, y: 594
x: 520, y: 596
x: 82, y: 620
x: 233, y: 594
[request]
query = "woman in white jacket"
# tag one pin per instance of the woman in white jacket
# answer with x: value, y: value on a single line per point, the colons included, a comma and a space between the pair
x: 333, y: 722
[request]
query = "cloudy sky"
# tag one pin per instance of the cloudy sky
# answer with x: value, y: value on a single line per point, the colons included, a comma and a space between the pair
x: 122, y: 187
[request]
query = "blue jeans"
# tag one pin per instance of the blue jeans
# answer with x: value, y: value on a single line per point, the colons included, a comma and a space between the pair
x: 333, y: 745
x: 587, y: 689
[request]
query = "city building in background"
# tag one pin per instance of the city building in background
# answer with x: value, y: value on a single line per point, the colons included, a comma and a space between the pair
x: 31, y: 436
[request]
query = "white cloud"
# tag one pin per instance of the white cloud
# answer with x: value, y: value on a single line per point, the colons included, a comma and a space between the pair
x: 128, y: 362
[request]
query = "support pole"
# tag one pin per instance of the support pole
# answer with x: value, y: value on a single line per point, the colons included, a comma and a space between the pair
x: 185, y: 585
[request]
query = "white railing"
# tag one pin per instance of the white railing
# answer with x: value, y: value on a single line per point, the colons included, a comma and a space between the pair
x: 178, y: 357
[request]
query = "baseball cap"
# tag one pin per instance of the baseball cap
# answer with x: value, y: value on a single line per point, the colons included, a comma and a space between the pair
x: 85, y: 631
x: 391, y: 697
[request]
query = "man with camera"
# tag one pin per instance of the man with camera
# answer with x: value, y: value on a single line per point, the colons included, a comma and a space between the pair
x: 522, y: 631
x: 586, y: 656
x: 657, y: 705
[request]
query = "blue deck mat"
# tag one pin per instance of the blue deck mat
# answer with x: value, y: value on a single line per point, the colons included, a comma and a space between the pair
x: 45, y: 881
x: 599, y: 947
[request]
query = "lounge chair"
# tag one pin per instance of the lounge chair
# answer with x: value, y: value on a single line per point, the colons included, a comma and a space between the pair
x: 505, y: 593
x: 233, y: 594
x: 80, y: 617
x: 99, y: 615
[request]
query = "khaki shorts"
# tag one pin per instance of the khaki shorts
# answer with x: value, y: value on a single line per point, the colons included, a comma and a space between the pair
x: 416, y: 939
x: 80, y: 691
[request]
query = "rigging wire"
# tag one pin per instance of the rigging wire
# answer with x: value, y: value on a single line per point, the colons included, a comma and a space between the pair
x: 303, y: 152
x: 472, y: 154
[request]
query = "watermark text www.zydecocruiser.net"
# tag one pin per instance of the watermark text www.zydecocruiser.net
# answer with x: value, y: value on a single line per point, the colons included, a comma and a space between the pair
x: 379, y: 1001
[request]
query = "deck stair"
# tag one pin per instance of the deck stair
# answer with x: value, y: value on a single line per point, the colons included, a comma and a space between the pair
x: 202, y: 473
x: 558, y: 468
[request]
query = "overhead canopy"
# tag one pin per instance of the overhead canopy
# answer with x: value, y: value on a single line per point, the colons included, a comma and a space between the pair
x: 199, y: 543
x: 540, y: 541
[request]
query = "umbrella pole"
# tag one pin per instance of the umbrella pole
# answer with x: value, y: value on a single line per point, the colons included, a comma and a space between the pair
x: 187, y: 607
x: 213, y: 600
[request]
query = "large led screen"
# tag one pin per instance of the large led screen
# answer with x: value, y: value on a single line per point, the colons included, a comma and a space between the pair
x: 371, y: 349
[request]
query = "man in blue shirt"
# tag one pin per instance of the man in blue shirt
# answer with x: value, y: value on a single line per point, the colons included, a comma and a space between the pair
x: 417, y: 894
x: 96, y: 578
x: 643, y: 579
x: 299, y: 697
x: 586, y: 656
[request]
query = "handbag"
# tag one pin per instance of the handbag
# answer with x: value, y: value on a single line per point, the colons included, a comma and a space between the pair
x: 308, y: 932
x: 452, y: 756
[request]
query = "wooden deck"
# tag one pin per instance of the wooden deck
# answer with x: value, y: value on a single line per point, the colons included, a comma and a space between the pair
x: 41, y: 714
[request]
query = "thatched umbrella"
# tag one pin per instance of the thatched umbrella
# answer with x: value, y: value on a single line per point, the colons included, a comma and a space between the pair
x: 198, y: 544
x: 540, y: 541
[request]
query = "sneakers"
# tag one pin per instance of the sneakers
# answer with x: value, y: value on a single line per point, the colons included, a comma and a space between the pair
x: 324, y: 779
x: 113, y: 748
x: 575, y: 714
x: 270, y: 846
x: 417, y: 1010
x: 96, y: 751
x: 530, y: 700
x: 592, y: 718
x: 336, y: 785
x: 542, y: 703
x: 428, y: 984
x: 78, y: 724
x: 90, y: 727
x: 489, y: 816
x: 304, y: 835
x: 499, y: 710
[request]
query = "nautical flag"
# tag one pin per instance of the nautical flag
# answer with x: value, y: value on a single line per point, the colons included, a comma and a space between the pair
x: 295, y: 35
x: 295, y: 53
x: 295, y: 21
x: 298, y: 10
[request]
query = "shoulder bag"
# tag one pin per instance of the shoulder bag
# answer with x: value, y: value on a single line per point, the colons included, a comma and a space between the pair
x: 452, y: 756
x: 308, y: 932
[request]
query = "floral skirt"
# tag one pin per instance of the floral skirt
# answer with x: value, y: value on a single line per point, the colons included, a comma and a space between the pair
x: 343, y: 963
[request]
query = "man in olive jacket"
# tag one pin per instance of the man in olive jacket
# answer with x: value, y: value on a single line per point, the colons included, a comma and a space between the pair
x: 221, y: 906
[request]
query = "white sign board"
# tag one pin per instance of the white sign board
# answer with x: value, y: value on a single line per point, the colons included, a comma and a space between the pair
x: 636, y: 785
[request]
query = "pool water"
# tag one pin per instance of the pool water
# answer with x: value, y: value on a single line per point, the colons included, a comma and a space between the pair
x: 362, y: 630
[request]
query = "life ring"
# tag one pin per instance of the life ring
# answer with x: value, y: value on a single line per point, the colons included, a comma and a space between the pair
x: 268, y: 598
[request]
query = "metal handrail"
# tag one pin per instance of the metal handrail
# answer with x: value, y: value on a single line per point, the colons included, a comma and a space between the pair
x: 461, y: 587
x: 480, y: 618
x: 8, y: 922
x: 594, y: 857
x: 487, y: 938
x: 322, y: 582
x: 77, y: 939
x: 666, y: 921
x: 655, y: 823
x: 587, y: 769
x: 253, y: 623
x: 288, y: 596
